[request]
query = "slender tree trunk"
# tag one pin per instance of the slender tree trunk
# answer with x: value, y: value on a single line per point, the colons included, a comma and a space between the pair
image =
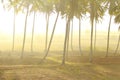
x: 68, y: 39
x: 23, y: 45
x: 92, y: 16
x: 49, y: 45
x: 13, y: 31
x: 95, y: 37
x: 80, y: 51
x: 72, y: 36
x: 108, y: 38
x: 47, y: 24
x: 117, y: 46
x: 33, y: 32
x: 91, y: 44
x: 65, y: 41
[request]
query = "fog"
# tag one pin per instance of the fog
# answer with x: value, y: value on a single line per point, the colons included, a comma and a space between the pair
x: 6, y: 32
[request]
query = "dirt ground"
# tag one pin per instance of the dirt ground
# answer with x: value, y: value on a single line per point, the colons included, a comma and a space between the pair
x: 76, y: 68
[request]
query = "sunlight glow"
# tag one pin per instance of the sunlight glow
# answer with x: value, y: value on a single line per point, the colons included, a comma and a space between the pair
x: 40, y: 24
x: 6, y: 27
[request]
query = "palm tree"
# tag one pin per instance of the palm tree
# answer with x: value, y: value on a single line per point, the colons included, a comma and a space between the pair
x: 112, y: 5
x: 76, y: 8
x: 26, y: 7
x: 80, y: 10
x: 96, y: 10
x: 34, y: 9
x: 99, y: 13
x: 69, y: 11
x: 49, y: 45
x: 20, y: 5
x: 13, y: 5
x: 92, y: 15
x: 117, y: 20
x: 92, y: 4
x: 47, y: 8
x: 25, y: 26
x: 65, y: 41
x: 51, y: 38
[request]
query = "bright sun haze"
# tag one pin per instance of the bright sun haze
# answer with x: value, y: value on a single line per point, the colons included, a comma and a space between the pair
x: 6, y: 22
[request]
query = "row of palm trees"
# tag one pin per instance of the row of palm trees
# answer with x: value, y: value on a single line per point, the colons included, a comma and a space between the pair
x: 68, y: 9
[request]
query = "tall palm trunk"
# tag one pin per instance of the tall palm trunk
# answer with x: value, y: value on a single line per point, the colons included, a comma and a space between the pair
x: 49, y: 45
x: 33, y: 32
x: 92, y: 15
x: 72, y: 35
x: 68, y: 39
x: 65, y: 41
x: 47, y: 24
x: 95, y: 36
x: 13, y: 30
x: 108, y: 38
x: 80, y: 51
x: 23, y: 45
x: 91, y: 43
x: 117, y: 46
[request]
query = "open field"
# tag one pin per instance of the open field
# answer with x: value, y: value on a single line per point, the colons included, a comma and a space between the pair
x: 76, y: 68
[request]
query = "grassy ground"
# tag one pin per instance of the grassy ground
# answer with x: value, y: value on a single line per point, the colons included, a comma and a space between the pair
x: 76, y: 68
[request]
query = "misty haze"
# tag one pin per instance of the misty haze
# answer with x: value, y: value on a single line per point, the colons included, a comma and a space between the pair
x: 59, y: 40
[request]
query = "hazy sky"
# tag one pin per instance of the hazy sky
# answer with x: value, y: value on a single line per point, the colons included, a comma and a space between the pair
x: 6, y: 23
x: 6, y: 29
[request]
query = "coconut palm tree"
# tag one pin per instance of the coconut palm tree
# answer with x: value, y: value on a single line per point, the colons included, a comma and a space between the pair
x: 92, y: 16
x: 79, y: 12
x: 99, y: 13
x: 25, y: 7
x: 49, y: 45
x: 69, y: 11
x: 20, y: 5
x: 47, y: 8
x: 94, y: 10
x: 76, y: 8
x: 13, y: 5
x: 25, y: 26
x: 111, y: 10
x: 54, y: 26
x: 34, y: 9
x: 117, y: 20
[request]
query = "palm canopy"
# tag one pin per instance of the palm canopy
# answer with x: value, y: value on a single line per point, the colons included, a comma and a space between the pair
x: 12, y: 4
x: 112, y: 5
x: 70, y: 8
x: 117, y: 12
x: 80, y: 8
x: 114, y: 9
x: 96, y: 8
